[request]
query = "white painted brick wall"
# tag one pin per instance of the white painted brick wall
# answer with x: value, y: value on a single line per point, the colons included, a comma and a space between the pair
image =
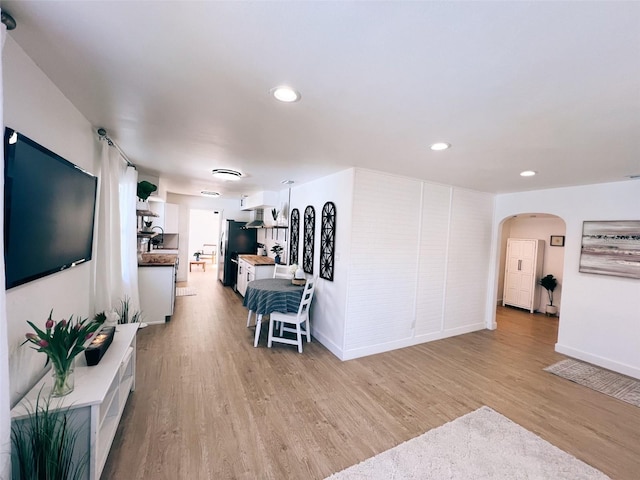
x: 418, y: 267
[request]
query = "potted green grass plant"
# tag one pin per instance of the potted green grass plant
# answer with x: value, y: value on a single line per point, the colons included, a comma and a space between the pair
x: 44, y: 442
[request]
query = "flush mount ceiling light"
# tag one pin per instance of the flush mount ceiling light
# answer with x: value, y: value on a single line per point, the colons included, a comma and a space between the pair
x: 226, y: 174
x: 528, y: 173
x: 209, y: 193
x: 438, y: 146
x: 285, y: 94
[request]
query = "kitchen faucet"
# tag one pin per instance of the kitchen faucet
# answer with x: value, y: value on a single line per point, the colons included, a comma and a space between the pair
x: 161, y: 235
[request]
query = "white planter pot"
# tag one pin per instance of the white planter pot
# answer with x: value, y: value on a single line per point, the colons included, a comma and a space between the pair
x: 552, y: 310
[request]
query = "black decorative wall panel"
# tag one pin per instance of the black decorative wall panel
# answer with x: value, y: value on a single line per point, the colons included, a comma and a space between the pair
x: 308, y: 240
x: 328, y: 241
x: 294, y: 224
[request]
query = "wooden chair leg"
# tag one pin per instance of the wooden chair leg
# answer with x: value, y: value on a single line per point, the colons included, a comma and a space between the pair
x: 249, y: 318
x: 270, y: 340
x: 258, y: 325
x: 307, y: 327
x: 299, y: 336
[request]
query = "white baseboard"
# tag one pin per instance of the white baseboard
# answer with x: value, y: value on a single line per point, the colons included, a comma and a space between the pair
x: 600, y: 361
x: 409, y: 342
x: 327, y: 343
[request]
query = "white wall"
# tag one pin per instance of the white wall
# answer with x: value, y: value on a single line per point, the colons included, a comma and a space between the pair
x: 540, y: 228
x: 204, y: 229
x: 34, y: 106
x: 600, y: 320
x: 419, y: 262
x: 328, y: 308
x: 229, y: 209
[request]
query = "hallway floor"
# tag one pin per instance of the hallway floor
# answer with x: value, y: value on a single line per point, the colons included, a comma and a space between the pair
x: 208, y: 405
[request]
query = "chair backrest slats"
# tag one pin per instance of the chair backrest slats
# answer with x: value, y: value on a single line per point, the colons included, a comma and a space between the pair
x: 307, y: 296
x: 282, y: 271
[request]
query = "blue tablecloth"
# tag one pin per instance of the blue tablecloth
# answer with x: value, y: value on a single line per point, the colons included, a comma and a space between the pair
x: 272, y: 295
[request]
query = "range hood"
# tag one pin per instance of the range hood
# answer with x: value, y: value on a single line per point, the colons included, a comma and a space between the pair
x: 258, y: 220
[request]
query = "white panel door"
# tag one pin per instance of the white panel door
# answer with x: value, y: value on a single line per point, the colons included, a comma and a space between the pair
x: 520, y: 275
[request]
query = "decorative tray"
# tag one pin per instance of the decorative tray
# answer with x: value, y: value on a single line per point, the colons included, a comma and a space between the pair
x: 300, y: 281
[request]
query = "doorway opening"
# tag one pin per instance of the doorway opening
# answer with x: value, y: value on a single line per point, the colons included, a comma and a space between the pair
x: 204, y: 231
x: 533, y: 226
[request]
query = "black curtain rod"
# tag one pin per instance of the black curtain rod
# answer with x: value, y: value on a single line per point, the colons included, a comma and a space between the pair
x: 102, y: 133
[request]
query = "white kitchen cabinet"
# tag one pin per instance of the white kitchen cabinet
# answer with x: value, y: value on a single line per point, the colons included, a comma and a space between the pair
x: 261, y: 200
x: 157, y: 287
x: 247, y: 272
x: 523, y: 270
x: 168, y: 216
x: 96, y: 404
x: 241, y: 283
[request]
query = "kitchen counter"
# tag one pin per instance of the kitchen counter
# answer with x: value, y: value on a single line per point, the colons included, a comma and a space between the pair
x: 257, y: 259
x: 158, y: 260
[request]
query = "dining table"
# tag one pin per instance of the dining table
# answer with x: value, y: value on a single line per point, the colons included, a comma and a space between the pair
x: 270, y: 295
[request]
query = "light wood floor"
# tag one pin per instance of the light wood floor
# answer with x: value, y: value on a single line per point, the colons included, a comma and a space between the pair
x: 210, y: 406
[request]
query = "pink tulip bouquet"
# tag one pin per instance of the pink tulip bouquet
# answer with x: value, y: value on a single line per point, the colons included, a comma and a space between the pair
x: 61, y: 341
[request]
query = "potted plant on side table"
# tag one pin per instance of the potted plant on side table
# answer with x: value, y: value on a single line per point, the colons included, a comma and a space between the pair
x: 549, y: 283
x: 277, y: 250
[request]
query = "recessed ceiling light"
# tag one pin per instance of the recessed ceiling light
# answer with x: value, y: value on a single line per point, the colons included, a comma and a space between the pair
x: 226, y: 174
x: 285, y: 94
x: 528, y: 173
x: 440, y: 146
x: 209, y: 193
x: 287, y: 182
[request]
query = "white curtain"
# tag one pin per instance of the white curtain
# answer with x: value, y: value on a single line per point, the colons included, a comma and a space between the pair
x: 116, y: 265
x: 128, y: 229
x: 5, y: 409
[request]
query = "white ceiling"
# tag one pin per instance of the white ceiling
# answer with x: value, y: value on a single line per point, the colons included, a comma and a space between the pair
x: 183, y: 87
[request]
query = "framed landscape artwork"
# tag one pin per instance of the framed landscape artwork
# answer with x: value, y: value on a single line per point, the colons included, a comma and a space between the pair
x: 611, y: 248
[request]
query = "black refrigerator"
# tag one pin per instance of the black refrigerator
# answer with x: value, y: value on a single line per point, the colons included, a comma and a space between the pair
x: 234, y: 241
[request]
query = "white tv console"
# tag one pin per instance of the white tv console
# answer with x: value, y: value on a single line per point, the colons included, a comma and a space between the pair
x: 97, y: 401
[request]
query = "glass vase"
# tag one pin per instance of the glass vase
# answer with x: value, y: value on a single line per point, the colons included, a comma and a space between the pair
x: 63, y: 380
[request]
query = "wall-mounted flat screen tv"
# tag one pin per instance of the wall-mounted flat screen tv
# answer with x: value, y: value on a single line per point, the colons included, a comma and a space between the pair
x: 49, y: 209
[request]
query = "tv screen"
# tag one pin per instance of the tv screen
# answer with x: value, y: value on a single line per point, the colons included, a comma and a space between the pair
x: 49, y: 207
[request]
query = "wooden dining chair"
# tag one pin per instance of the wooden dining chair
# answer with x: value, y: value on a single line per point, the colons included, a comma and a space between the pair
x: 282, y: 271
x: 297, y: 319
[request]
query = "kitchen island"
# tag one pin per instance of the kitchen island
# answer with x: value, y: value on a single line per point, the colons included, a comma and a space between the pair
x: 253, y: 267
x: 157, y: 286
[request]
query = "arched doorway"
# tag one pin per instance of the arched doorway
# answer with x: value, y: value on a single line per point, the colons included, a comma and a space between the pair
x: 540, y: 226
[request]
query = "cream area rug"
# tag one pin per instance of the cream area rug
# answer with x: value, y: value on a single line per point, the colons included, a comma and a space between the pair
x: 599, y: 379
x: 185, y: 291
x: 480, y: 445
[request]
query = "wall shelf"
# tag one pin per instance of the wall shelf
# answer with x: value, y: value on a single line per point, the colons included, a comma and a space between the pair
x: 146, y: 213
x: 148, y: 234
